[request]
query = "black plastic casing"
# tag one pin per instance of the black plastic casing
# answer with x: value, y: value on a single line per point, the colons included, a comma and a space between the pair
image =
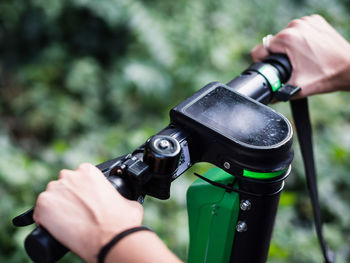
x: 211, y: 145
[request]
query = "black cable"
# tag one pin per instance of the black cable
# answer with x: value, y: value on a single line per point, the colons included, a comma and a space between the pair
x: 230, y: 188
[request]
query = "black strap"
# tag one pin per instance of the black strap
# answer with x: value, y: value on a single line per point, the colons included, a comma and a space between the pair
x: 105, y: 249
x: 301, y: 118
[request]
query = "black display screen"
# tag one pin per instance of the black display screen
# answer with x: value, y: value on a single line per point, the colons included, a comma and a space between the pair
x: 238, y: 118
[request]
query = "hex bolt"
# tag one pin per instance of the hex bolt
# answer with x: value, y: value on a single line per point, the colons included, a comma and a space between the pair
x: 164, y: 144
x: 227, y: 165
x: 241, y: 226
x: 245, y: 205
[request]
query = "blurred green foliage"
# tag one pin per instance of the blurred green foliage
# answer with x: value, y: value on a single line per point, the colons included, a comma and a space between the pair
x: 86, y: 80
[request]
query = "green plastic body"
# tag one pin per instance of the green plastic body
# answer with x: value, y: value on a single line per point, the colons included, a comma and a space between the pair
x: 212, y: 214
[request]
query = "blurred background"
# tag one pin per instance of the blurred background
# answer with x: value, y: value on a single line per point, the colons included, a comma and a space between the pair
x: 86, y: 81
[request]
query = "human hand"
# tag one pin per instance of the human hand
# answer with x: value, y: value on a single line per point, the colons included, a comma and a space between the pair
x: 320, y: 56
x: 83, y: 211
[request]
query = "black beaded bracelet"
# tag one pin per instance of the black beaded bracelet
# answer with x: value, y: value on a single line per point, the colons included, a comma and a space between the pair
x: 105, y: 249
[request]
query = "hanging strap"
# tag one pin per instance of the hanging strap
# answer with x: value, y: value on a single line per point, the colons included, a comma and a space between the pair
x: 301, y: 118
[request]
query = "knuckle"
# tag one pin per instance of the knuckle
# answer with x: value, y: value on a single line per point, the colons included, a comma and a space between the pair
x: 63, y: 174
x: 51, y: 185
x: 288, y: 35
x: 317, y: 17
x: 296, y: 23
x: 284, y: 36
x: 312, y: 19
x: 84, y: 166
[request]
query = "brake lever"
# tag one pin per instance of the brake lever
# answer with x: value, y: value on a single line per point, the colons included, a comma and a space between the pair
x: 24, y: 219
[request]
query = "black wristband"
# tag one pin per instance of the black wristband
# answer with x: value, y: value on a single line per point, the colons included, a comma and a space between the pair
x: 105, y: 249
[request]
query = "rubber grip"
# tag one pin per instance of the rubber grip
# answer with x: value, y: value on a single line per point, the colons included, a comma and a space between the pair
x: 41, y: 247
x: 282, y: 64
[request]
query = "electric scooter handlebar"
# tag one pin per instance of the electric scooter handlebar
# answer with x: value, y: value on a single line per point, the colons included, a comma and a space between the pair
x: 150, y: 169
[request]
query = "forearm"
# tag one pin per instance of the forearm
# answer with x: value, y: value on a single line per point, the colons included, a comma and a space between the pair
x: 138, y: 247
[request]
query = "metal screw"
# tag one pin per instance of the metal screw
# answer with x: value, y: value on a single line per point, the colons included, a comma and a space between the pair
x: 227, y: 165
x: 241, y: 226
x: 214, y: 209
x: 245, y: 205
x: 141, y: 199
x: 163, y: 144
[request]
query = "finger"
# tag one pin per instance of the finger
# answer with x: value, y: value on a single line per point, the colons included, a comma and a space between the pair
x: 276, y: 45
x: 258, y: 53
x: 297, y: 23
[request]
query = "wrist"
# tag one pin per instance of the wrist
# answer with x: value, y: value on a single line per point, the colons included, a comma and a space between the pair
x: 97, y: 237
x: 141, y: 246
x: 341, y: 80
x: 129, y: 249
x: 106, y: 248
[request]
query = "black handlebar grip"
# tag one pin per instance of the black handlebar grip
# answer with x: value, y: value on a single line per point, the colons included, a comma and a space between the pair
x: 282, y: 64
x: 42, y: 247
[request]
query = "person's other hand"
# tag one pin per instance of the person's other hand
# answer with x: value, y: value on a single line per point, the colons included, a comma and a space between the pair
x: 320, y: 56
